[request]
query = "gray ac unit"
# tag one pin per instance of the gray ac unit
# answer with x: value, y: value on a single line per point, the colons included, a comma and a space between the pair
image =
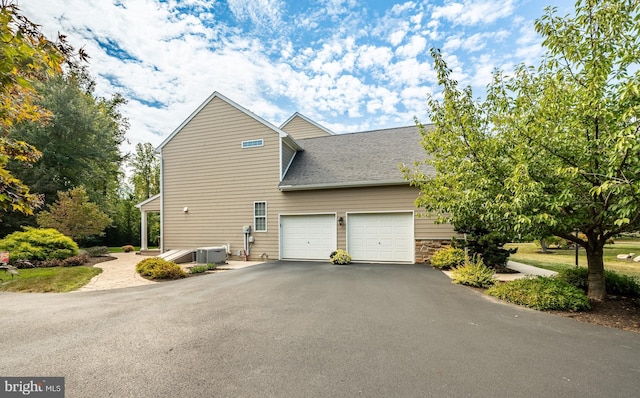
x: 211, y: 255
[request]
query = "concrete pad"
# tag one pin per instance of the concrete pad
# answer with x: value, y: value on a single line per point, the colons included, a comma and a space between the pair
x: 524, y: 271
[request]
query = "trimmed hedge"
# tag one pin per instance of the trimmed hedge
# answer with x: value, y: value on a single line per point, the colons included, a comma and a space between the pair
x: 448, y: 258
x: 542, y: 293
x: 38, y: 244
x: 157, y: 268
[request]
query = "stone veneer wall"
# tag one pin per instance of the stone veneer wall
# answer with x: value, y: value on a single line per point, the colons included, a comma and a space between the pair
x: 426, y: 247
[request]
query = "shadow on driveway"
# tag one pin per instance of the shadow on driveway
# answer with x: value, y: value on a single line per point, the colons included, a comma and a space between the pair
x: 311, y: 330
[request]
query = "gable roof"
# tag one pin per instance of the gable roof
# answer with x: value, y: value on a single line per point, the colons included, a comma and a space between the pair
x: 368, y: 158
x: 286, y: 137
x: 147, y: 201
x: 299, y: 115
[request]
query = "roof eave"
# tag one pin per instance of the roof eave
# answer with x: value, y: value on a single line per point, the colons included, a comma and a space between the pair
x: 144, y: 202
x: 351, y: 184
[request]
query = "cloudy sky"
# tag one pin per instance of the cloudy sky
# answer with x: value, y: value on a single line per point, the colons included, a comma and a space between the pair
x: 350, y: 65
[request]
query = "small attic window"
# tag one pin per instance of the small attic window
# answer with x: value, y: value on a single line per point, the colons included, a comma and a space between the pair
x: 252, y: 143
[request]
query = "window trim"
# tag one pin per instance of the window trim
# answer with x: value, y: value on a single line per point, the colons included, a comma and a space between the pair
x: 256, y: 217
x: 252, y: 143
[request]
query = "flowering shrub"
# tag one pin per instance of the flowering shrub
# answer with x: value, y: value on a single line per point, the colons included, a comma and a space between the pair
x: 340, y: 257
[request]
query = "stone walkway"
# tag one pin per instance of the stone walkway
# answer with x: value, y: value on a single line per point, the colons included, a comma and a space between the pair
x: 121, y: 272
x: 117, y: 273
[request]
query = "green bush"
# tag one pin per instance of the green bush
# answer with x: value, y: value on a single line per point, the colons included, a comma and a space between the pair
x: 97, y: 251
x: 542, y: 293
x: 211, y: 266
x: 198, y: 269
x: 340, y: 257
x: 474, y: 273
x: 616, y: 284
x: 157, y: 268
x: 448, y: 258
x: 74, y: 261
x: 53, y: 262
x: 38, y: 244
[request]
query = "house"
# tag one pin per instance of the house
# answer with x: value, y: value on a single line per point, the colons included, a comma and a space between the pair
x: 230, y: 178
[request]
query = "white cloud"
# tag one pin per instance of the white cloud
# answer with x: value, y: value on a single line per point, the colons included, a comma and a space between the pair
x: 350, y: 65
x: 473, y: 12
x: 415, y: 46
x: 262, y: 13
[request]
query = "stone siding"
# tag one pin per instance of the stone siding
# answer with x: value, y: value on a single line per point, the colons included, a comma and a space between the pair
x: 426, y: 247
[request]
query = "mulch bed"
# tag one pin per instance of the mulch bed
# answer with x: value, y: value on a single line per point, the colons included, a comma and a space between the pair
x: 616, y: 312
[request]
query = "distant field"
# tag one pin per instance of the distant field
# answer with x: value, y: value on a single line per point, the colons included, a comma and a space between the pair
x: 557, y: 259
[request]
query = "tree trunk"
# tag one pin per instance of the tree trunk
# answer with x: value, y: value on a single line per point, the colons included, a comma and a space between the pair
x: 595, y: 264
x: 543, y: 245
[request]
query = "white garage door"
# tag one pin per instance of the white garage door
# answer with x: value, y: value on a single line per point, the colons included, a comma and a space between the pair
x: 308, y: 237
x: 384, y: 237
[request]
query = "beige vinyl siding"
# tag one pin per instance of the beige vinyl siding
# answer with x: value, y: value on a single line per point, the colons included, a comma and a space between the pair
x: 153, y: 205
x: 206, y: 169
x: 287, y: 155
x: 299, y: 128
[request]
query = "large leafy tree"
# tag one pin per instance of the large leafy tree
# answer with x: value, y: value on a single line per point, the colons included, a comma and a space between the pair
x: 74, y: 215
x: 80, y: 144
x: 552, y: 149
x: 26, y: 57
x: 145, y: 166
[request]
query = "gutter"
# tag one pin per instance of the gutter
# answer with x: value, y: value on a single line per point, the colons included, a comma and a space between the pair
x: 351, y: 184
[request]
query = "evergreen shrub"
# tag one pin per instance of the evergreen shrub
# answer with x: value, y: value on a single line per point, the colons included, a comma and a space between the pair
x: 447, y: 258
x: 474, y: 273
x: 38, y: 244
x: 157, y: 268
x: 542, y: 293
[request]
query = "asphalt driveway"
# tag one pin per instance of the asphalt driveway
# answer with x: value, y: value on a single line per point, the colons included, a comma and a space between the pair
x: 289, y: 329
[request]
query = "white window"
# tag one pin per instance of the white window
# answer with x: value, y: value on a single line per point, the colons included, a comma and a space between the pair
x: 252, y: 143
x: 260, y: 216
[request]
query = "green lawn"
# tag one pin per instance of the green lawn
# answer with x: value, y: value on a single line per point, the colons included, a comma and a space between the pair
x: 44, y: 280
x: 528, y: 253
x: 119, y: 249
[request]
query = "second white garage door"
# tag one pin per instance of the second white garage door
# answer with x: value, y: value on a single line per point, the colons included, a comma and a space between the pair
x: 307, y: 237
x: 386, y: 237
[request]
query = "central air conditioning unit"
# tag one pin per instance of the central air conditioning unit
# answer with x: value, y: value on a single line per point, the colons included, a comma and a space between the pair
x: 211, y: 255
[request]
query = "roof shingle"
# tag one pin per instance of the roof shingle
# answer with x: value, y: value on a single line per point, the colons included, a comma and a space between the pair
x: 356, y: 159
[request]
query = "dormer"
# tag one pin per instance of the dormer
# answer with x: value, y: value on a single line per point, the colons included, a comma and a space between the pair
x: 300, y: 127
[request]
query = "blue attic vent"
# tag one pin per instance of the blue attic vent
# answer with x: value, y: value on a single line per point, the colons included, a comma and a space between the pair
x: 252, y: 143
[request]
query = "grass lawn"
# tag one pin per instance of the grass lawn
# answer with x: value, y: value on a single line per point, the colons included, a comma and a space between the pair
x: 557, y: 259
x: 119, y: 249
x: 44, y: 280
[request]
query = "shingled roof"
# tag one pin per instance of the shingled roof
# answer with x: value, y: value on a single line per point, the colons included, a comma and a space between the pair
x: 368, y: 158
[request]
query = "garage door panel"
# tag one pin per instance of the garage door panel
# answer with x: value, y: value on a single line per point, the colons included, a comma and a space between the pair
x: 380, y: 237
x: 307, y: 237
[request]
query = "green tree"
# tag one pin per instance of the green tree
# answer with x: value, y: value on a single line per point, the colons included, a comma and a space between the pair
x: 126, y: 219
x: 145, y: 166
x: 73, y: 215
x: 80, y: 144
x: 551, y: 149
x: 26, y: 57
